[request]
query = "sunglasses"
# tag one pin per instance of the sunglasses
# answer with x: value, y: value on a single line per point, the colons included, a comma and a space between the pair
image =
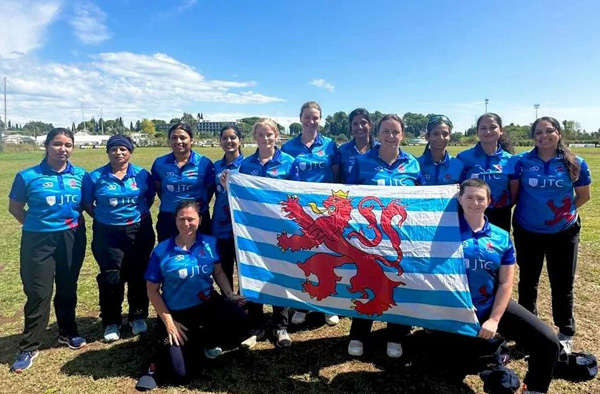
x: 439, y: 118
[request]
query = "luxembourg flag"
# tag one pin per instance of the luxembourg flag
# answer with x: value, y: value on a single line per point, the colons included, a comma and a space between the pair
x: 381, y: 253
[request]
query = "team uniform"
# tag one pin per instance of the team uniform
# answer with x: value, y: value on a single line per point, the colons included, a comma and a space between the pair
x: 187, y: 289
x: 52, y: 247
x: 315, y: 164
x: 446, y: 172
x: 497, y: 170
x: 485, y: 251
x: 281, y: 166
x: 123, y: 238
x: 348, y: 155
x: 546, y: 223
x: 195, y: 180
x: 222, y: 228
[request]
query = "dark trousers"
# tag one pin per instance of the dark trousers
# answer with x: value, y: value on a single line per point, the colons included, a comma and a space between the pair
x: 226, y: 251
x: 500, y: 217
x: 216, y: 322
x: 166, y: 227
x: 46, y: 258
x: 258, y: 319
x: 122, y: 253
x: 560, y: 250
x: 361, y: 328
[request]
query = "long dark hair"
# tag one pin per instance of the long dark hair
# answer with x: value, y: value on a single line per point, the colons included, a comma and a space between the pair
x: 53, y: 133
x: 237, y: 132
x: 365, y: 114
x: 569, y: 157
x: 504, y: 142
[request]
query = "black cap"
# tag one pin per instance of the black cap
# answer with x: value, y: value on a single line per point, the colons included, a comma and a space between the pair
x: 500, y: 380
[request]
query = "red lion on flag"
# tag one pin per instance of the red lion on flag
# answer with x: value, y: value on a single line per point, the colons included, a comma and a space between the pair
x: 328, y: 230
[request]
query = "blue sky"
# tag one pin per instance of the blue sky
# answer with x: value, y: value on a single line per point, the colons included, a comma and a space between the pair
x: 234, y: 58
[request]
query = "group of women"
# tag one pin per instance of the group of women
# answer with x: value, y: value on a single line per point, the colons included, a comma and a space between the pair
x: 548, y: 185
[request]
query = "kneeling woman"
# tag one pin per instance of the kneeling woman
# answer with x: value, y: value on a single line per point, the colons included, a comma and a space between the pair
x: 180, y: 287
x: 490, y: 259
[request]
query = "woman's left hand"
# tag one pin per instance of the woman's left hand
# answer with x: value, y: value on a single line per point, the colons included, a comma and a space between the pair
x: 488, y: 329
x: 236, y: 298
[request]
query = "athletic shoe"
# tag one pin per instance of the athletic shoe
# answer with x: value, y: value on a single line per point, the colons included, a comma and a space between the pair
x: 332, y: 320
x: 254, y: 336
x: 566, y: 341
x: 394, y: 350
x: 138, y: 326
x: 213, y: 353
x: 282, y: 339
x: 24, y: 360
x: 74, y: 343
x: 299, y: 317
x: 111, y: 333
x: 355, y: 348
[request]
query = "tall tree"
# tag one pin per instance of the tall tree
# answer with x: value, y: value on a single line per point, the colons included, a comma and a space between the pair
x: 147, y: 127
x: 295, y: 128
x: 415, y: 124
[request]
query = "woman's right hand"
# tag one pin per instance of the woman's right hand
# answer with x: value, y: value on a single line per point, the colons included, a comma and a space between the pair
x: 176, y: 332
x: 223, y: 179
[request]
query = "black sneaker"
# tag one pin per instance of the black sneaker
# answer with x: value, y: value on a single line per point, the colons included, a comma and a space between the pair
x: 74, y: 343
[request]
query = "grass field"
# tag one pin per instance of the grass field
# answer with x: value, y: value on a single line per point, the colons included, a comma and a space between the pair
x: 316, y: 362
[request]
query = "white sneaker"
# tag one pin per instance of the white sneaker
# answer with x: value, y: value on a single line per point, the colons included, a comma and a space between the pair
x: 111, y: 333
x: 566, y: 342
x: 213, y: 353
x: 355, y: 348
x: 282, y: 338
x: 394, y: 350
x: 332, y: 320
x: 299, y: 317
x: 254, y: 336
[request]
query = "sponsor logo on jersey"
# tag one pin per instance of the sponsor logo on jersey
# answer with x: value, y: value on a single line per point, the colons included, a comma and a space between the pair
x: 113, y: 202
x: 320, y: 153
x: 112, y: 187
x: 254, y: 172
x: 497, y: 167
x: 170, y: 188
x: 170, y: 173
x: 489, y: 246
x: 533, y: 182
x: 134, y: 185
x: 534, y: 168
x: 182, y: 272
x: 51, y: 200
x: 47, y: 185
x: 427, y: 176
x: 274, y: 171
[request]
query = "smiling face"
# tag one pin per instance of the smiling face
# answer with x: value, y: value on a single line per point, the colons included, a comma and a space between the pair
x: 230, y: 142
x: 439, y: 137
x: 119, y: 155
x: 361, y: 128
x: 474, y: 200
x: 546, y: 136
x: 489, y: 131
x: 187, y: 220
x: 181, y: 142
x: 265, y: 136
x: 310, y: 119
x: 59, y: 149
x: 390, y: 134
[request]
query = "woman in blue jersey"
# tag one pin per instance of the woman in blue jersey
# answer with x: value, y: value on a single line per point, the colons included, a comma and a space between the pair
x: 230, y: 141
x: 437, y: 166
x: 362, y: 141
x: 52, y: 243
x: 554, y: 185
x: 384, y: 165
x: 270, y: 162
x: 182, y: 175
x: 119, y: 197
x: 192, y: 314
x: 490, y: 160
x: 490, y: 258
x: 317, y: 158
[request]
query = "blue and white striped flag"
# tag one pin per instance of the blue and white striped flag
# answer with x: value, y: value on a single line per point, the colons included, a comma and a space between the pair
x: 384, y: 253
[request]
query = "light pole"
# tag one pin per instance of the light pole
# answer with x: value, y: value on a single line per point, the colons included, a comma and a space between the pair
x: 486, y: 103
x: 536, y: 106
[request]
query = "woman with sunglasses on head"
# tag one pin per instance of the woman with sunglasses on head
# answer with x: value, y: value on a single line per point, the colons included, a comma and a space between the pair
x: 437, y: 166
x: 362, y: 141
x: 52, y: 243
x: 384, y: 165
x: 182, y: 175
x: 490, y: 258
x: 230, y: 139
x: 554, y: 185
x: 491, y: 161
x: 119, y: 197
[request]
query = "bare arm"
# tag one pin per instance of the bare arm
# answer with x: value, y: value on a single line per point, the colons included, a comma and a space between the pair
x: 503, y: 294
x: 514, y: 186
x: 89, y: 208
x: 175, y: 330
x: 582, y: 195
x: 158, y: 187
x: 226, y: 289
x: 17, y: 209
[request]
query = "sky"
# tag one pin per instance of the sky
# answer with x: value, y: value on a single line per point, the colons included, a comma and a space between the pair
x: 230, y: 59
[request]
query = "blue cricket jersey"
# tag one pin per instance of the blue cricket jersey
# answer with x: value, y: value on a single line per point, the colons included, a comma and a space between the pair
x: 53, y: 198
x: 485, y: 251
x: 195, y: 180
x: 348, y: 154
x: 120, y: 202
x: 370, y: 169
x: 185, y: 275
x: 314, y: 163
x: 221, y: 219
x: 497, y: 170
x: 281, y: 166
x: 447, y: 172
x: 547, y: 194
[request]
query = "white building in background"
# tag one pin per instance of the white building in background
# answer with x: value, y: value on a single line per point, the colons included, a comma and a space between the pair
x: 82, y: 140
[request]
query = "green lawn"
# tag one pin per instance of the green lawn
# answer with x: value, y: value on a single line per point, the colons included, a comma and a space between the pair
x: 317, y: 361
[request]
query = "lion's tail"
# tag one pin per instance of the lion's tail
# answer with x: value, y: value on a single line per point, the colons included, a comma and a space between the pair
x: 393, y: 209
x: 367, y: 212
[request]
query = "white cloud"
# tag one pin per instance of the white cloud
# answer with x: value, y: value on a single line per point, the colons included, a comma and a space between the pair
x: 24, y: 24
x: 185, y: 5
x: 89, y: 23
x: 321, y: 83
x: 120, y: 83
